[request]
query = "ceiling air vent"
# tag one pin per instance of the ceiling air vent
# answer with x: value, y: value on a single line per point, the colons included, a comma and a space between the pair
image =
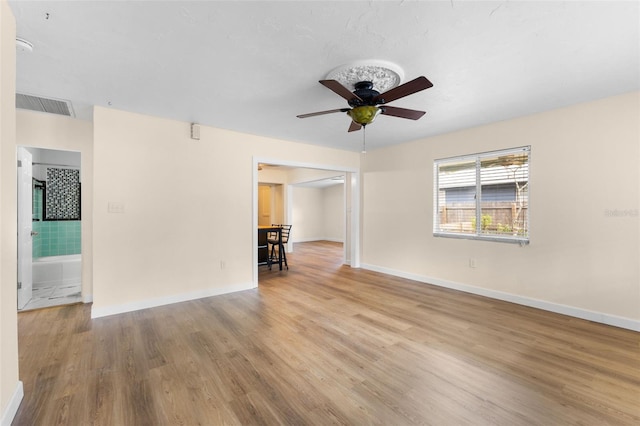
x: 36, y: 103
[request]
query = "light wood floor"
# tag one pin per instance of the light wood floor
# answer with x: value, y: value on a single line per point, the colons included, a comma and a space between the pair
x: 326, y: 344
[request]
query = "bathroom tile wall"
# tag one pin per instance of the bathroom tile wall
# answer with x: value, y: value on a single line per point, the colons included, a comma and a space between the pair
x: 56, y: 238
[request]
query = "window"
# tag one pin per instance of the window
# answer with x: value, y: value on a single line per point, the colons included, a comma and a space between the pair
x: 483, y: 196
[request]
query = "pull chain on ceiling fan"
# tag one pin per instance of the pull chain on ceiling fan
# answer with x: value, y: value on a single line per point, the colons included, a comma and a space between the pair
x: 364, y: 140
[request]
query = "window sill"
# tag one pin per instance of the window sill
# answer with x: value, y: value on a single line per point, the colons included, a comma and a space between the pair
x: 522, y: 241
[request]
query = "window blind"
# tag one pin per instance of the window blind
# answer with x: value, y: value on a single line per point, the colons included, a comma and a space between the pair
x: 483, y: 196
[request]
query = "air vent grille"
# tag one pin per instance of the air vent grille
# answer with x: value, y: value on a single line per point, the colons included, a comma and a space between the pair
x: 36, y: 103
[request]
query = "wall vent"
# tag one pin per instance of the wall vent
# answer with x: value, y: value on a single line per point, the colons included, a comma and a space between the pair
x: 36, y: 103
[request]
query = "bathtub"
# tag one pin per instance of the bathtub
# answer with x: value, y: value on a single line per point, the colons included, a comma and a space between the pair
x: 57, y: 269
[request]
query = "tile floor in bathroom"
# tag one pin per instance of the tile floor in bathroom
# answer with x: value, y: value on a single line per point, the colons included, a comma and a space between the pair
x: 53, y: 294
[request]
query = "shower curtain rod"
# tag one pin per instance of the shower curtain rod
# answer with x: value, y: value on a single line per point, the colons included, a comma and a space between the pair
x: 52, y: 164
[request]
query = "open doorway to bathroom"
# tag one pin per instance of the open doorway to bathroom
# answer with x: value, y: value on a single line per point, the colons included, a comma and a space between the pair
x: 49, y: 228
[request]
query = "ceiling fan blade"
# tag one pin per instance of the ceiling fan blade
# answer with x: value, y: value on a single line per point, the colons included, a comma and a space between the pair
x: 339, y: 89
x: 354, y: 126
x: 331, y: 111
x: 411, y: 114
x: 403, y: 90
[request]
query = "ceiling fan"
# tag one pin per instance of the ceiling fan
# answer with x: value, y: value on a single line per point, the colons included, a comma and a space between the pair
x: 366, y: 102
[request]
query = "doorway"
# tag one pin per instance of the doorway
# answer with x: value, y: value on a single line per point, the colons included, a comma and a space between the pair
x: 49, y: 228
x: 310, y: 173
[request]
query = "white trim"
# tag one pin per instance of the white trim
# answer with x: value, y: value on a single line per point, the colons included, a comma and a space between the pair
x: 288, y: 218
x: 12, y: 407
x: 600, y: 317
x: 302, y: 165
x: 167, y: 300
x: 333, y: 240
x: 254, y: 219
x: 353, y: 239
x: 87, y: 298
x: 310, y: 239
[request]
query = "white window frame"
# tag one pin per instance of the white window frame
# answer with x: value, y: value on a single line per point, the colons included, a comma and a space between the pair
x: 477, y: 234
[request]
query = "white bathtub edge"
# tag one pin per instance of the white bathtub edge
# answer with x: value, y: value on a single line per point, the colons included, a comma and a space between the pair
x: 57, y: 270
x: 60, y: 258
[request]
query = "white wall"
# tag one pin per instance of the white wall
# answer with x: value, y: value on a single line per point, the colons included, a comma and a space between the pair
x: 334, y: 213
x: 584, y: 163
x: 10, y: 387
x: 318, y: 214
x: 51, y: 131
x: 187, y: 231
x: 307, y: 214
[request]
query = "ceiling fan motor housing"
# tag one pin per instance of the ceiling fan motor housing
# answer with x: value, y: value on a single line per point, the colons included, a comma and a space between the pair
x: 366, y: 94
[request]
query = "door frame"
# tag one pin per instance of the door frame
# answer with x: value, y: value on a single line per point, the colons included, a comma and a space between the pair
x: 25, y: 226
x: 352, y: 207
x: 86, y: 297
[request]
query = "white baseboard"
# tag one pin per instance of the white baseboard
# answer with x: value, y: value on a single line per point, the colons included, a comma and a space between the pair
x: 12, y: 407
x: 308, y: 240
x: 160, y: 301
x: 87, y: 298
x: 585, y: 314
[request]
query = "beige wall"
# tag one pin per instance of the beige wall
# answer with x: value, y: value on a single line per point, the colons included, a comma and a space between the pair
x: 180, y: 208
x: 53, y: 131
x: 584, y: 163
x: 10, y: 387
x: 318, y: 213
x: 333, y: 213
x: 307, y: 214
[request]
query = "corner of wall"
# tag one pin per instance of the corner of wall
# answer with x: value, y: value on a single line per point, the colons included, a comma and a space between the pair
x: 10, y: 387
x: 12, y: 407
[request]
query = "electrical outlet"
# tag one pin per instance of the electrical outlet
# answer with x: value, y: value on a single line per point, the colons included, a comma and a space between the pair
x: 472, y: 262
x: 222, y: 264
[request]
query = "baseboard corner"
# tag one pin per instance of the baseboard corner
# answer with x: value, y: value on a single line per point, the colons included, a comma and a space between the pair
x: 12, y: 407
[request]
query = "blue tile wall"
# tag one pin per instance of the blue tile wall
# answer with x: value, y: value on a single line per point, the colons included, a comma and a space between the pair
x: 57, y: 238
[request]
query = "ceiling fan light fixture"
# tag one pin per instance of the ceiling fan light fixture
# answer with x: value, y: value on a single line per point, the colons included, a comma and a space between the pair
x: 364, y: 115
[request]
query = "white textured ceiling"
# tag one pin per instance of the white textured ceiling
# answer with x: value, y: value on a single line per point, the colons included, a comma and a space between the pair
x: 253, y: 66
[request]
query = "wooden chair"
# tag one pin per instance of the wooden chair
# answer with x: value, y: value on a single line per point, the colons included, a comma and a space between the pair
x: 272, y: 240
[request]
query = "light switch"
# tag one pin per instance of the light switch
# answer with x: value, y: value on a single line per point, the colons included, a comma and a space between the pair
x: 115, y: 207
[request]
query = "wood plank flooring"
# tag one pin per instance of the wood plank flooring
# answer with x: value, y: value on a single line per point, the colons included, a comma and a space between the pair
x: 326, y: 344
